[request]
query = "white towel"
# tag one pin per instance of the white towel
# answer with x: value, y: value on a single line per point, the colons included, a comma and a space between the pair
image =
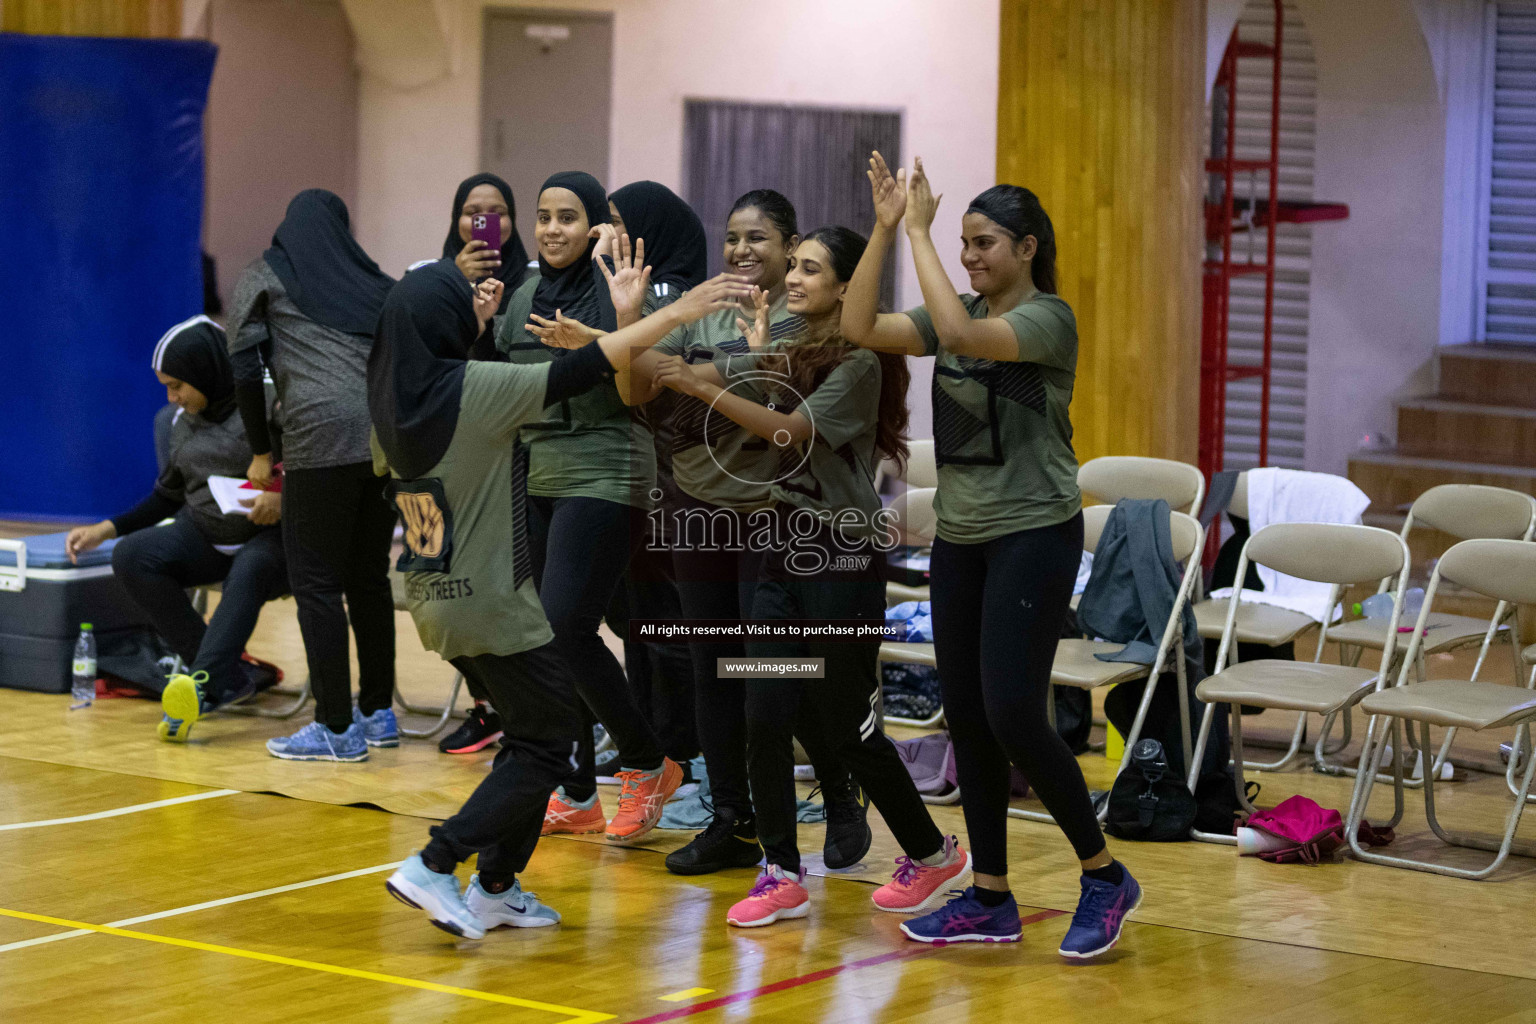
x: 1294, y: 496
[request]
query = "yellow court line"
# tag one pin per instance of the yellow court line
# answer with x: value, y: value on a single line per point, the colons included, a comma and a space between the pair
x: 574, y: 1015
x: 687, y: 993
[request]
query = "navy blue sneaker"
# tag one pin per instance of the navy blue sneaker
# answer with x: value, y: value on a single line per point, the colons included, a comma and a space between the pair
x: 315, y: 742
x: 1101, y: 913
x: 966, y: 919
x: 380, y: 728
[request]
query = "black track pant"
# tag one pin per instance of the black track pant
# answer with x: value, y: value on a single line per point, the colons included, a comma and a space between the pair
x: 846, y: 584
x: 580, y: 549
x: 998, y: 609
x: 716, y: 579
x: 660, y: 672
x: 337, y: 528
x: 536, y: 699
x: 156, y: 566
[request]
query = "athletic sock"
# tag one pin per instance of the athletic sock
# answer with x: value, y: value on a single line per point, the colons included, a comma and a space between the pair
x: 584, y: 804
x: 936, y: 860
x: 495, y: 888
x: 990, y: 897
x: 1112, y: 873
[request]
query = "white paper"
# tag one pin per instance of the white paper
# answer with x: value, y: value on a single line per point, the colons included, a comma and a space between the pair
x: 229, y: 491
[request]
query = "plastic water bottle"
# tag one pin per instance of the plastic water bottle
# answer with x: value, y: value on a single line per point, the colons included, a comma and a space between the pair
x: 83, y: 689
x: 1379, y: 606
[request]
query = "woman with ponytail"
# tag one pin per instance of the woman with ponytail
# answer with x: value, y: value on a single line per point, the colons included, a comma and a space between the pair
x: 1010, y: 531
x: 828, y: 411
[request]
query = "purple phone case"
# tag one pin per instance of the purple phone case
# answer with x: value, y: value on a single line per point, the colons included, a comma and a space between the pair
x: 487, y: 228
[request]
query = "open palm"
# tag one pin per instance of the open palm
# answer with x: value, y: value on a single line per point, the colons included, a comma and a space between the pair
x: 889, y: 192
x: 630, y: 279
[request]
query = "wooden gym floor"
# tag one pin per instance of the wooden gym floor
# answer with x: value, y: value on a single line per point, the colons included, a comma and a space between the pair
x: 225, y: 902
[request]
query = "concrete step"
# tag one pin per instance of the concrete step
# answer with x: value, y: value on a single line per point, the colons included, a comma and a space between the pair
x: 1488, y: 374
x: 1439, y: 428
x: 1392, y: 480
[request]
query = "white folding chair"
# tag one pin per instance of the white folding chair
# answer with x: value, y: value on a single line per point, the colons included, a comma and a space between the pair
x: 915, y: 524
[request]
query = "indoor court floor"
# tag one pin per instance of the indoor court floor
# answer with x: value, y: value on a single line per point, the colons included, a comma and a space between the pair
x: 150, y: 882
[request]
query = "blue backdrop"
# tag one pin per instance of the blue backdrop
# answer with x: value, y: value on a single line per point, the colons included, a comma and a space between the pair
x: 101, y: 201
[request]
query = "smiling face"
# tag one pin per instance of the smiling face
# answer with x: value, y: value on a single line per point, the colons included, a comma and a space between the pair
x: 179, y: 392
x: 812, y: 287
x: 561, y: 230
x: 484, y: 199
x: 755, y: 249
x: 991, y: 256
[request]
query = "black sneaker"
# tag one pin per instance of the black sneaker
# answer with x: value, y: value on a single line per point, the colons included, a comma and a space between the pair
x: 480, y: 730
x: 848, y: 834
x: 726, y: 843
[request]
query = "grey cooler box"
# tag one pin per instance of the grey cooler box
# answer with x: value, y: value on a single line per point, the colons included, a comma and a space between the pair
x: 43, y: 600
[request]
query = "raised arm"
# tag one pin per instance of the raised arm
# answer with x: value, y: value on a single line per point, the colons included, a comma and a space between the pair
x: 705, y: 384
x: 990, y: 338
x: 862, y: 323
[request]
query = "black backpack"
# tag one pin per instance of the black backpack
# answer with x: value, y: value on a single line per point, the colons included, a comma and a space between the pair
x: 1148, y: 802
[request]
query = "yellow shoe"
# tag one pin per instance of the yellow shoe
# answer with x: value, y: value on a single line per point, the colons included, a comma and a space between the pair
x: 182, y: 702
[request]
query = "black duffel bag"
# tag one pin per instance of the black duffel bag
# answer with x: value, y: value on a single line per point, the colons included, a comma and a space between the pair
x: 1148, y: 801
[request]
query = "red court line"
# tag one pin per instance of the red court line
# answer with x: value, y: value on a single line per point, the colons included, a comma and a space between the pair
x: 914, y: 949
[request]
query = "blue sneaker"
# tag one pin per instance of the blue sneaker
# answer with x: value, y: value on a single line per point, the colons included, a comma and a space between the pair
x: 417, y: 885
x: 379, y: 728
x: 1101, y: 913
x: 966, y: 919
x: 182, y: 703
x: 315, y: 742
x: 513, y: 908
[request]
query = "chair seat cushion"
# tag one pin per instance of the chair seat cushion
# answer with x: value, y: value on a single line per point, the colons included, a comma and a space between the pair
x: 908, y: 654
x: 1455, y: 702
x: 1256, y: 623
x: 1075, y: 665
x: 1291, y: 685
x: 1441, y: 633
x: 1529, y: 655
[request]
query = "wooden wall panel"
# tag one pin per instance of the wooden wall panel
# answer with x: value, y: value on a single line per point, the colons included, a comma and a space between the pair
x: 1100, y: 112
x: 142, y: 18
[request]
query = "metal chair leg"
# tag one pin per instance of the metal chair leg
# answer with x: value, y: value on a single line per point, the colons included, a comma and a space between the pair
x: 300, y: 698
x: 443, y: 714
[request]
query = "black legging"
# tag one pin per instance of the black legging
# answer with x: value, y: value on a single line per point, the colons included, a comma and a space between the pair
x: 580, y: 547
x: 337, y: 528
x: 843, y: 701
x: 716, y: 579
x: 998, y: 609
x: 157, y: 565
x: 660, y: 672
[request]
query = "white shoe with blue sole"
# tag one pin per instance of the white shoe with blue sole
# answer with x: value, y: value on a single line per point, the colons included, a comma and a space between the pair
x: 379, y: 729
x: 316, y: 742
x: 417, y: 885
x: 513, y: 908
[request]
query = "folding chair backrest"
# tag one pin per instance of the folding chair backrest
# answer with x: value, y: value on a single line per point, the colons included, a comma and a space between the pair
x: 1335, y: 553
x: 916, y: 522
x: 1183, y: 529
x: 920, y: 471
x: 1474, y: 511
x: 1501, y: 569
x: 1113, y: 477
x: 1238, y: 504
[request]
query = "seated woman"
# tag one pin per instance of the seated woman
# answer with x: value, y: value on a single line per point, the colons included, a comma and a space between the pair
x: 202, y: 544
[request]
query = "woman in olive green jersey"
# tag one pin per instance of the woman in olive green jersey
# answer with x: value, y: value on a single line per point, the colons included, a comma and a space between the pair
x: 831, y: 411
x: 591, y: 467
x: 1010, y: 531
x: 447, y: 429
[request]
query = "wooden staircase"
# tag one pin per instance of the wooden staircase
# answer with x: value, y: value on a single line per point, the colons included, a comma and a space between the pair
x: 1479, y: 429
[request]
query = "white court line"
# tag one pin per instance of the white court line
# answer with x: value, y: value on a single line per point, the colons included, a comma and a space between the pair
x: 226, y: 901
x: 116, y: 811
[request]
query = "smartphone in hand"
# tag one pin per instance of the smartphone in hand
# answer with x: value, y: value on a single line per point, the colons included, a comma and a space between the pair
x: 487, y: 228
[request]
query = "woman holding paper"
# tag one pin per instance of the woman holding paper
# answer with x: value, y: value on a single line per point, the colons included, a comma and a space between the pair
x: 202, y: 544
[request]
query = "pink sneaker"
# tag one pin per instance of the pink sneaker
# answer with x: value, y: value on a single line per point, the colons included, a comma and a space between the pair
x: 916, y: 887
x: 776, y: 895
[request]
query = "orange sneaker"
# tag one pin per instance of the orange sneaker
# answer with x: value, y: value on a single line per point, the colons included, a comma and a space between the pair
x: 566, y: 815
x: 641, y: 798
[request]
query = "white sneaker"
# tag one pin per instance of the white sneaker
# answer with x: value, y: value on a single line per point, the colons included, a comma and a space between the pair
x: 513, y: 908
x: 415, y: 885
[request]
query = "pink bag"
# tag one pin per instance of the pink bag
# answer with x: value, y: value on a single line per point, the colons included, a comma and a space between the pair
x: 1313, y: 832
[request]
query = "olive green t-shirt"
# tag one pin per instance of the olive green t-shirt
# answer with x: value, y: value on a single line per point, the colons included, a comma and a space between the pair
x: 713, y: 459
x: 588, y: 446
x: 833, y: 473
x: 468, y: 569
x: 1002, y: 436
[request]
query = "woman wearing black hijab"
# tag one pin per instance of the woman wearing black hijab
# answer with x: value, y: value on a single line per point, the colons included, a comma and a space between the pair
x: 201, y: 545
x: 486, y: 193
x: 307, y: 310
x: 591, y: 468
x: 448, y: 430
